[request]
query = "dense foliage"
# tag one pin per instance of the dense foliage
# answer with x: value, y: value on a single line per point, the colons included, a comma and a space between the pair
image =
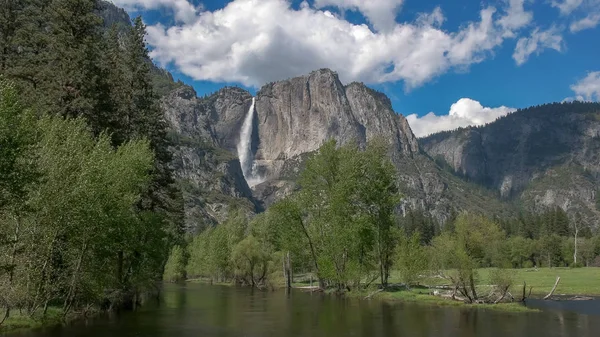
x: 88, y: 207
x: 342, y: 226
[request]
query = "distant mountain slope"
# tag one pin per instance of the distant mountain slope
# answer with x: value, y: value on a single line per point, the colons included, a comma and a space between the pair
x: 547, y: 155
x: 209, y: 175
x: 292, y: 119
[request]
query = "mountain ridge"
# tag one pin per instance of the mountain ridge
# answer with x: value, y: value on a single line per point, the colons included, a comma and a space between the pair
x: 516, y: 153
x: 293, y: 117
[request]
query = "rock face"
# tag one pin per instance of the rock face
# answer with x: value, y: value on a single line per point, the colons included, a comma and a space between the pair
x: 541, y: 157
x: 544, y: 156
x: 209, y: 173
x: 112, y: 14
x: 297, y: 116
x: 293, y: 118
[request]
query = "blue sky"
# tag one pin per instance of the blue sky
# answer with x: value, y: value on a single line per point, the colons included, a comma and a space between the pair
x: 445, y: 63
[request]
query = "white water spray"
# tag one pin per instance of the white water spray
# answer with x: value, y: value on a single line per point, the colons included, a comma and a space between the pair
x: 244, y: 149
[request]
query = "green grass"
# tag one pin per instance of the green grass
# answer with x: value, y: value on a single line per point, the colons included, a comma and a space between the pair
x: 573, y: 281
x: 421, y: 296
x: 576, y: 281
x: 18, y: 321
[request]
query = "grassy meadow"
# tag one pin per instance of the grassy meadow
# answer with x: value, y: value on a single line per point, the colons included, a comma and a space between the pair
x: 573, y: 281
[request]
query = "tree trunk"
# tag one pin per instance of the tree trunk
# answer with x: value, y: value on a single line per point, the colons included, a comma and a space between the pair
x: 71, y: 293
x: 314, y: 255
x: 6, y: 315
x: 575, y: 254
x: 553, y: 288
x: 120, y: 268
x: 288, y: 278
x: 383, y: 284
x: 472, y: 285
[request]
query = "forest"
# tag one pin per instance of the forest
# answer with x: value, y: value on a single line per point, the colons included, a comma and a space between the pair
x: 343, y: 225
x: 88, y: 206
x: 91, y: 216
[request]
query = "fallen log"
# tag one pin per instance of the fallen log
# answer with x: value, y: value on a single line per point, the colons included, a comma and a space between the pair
x: 581, y: 298
x: 553, y: 288
x: 373, y: 293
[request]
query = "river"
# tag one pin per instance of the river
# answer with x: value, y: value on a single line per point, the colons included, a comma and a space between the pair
x: 209, y: 311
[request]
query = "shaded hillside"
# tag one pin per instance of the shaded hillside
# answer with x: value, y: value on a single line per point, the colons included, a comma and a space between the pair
x: 546, y: 155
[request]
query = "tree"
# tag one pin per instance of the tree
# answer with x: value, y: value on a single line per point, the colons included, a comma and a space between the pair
x: 379, y: 196
x: 327, y: 185
x: 450, y: 259
x: 412, y: 258
x: 250, y: 262
x: 142, y: 117
x: 17, y: 174
x: 481, y: 237
x: 342, y: 216
x: 211, y: 251
x: 475, y: 242
x: 519, y: 250
x: 85, y: 211
x: 17, y: 136
x: 295, y: 233
x: 175, y: 266
x: 551, y: 250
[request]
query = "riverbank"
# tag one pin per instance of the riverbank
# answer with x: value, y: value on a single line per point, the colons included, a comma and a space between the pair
x: 18, y: 321
x: 574, y: 282
x: 422, y: 296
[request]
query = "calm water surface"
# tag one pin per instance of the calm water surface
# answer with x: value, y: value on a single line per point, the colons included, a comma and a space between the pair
x: 210, y: 311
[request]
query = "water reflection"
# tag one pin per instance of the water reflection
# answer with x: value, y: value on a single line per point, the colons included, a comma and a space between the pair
x: 211, y: 311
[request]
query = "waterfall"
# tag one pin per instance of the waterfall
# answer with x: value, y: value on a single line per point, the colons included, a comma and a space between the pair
x: 244, y: 149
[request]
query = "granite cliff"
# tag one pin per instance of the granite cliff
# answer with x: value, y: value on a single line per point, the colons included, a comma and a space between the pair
x: 292, y: 119
x: 541, y: 157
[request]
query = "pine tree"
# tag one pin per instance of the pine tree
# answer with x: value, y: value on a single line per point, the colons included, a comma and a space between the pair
x: 9, y: 14
x: 144, y: 118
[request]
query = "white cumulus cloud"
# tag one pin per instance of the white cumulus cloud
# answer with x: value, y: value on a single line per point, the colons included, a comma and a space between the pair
x: 380, y: 13
x: 590, y: 21
x: 588, y: 88
x: 257, y: 41
x: 537, y: 42
x: 566, y: 6
x: 516, y: 17
x: 464, y: 112
x: 184, y: 11
x: 585, y: 14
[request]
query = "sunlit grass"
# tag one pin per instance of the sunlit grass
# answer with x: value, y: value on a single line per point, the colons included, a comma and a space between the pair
x: 574, y: 281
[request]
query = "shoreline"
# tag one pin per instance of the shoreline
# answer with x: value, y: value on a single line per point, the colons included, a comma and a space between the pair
x: 413, y: 296
x: 18, y: 322
x: 417, y: 296
x: 423, y: 296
